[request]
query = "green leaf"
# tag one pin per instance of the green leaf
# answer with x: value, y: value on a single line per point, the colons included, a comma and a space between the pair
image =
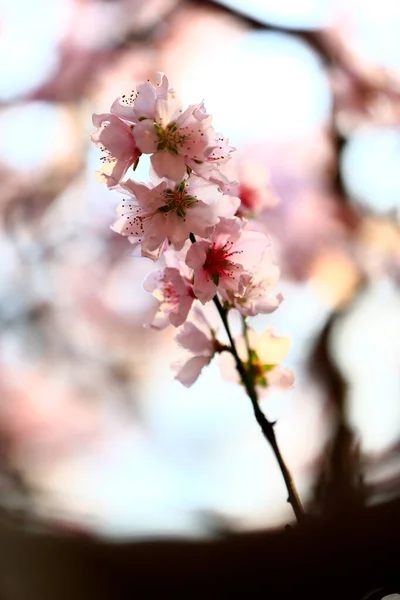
x: 267, y: 368
x: 253, y: 356
x: 262, y: 381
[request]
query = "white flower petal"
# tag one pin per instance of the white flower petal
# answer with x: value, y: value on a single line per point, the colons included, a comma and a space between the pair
x: 191, y: 370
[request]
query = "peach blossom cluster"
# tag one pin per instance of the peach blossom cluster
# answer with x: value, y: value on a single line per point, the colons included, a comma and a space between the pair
x: 188, y: 217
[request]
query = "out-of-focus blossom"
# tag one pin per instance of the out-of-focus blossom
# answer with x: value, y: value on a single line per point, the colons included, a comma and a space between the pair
x: 42, y: 414
x: 267, y: 352
x: 251, y: 183
x: 255, y: 192
x: 378, y: 248
x: 367, y: 89
x: 200, y: 340
x: 175, y: 295
x: 228, y: 260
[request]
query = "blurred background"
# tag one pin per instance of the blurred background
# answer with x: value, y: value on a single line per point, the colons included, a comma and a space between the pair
x: 96, y: 438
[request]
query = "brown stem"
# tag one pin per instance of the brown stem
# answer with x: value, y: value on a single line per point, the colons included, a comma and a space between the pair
x: 266, y: 426
x: 269, y: 433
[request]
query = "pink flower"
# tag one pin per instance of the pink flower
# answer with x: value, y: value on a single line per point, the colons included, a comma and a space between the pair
x: 268, y: 351
x: 254, y: 191
x: 251, y: 185
x: 200, y: 340
x: 257, y: 298
x: 140, y: 220
x: 176, y: 139
x: 115, y: 137
x: 228, y: 261
x: 156, y: 214
x: 146, y: 100
x: 175, y: 295
x: 210, y: 168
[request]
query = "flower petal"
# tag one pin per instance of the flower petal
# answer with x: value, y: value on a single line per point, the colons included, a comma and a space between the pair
x: 166, y: 164
x: 273, y: 349
x: 192, y: 338
x: 145, y: 136
x: 280, y: 378
x: 191, y: 370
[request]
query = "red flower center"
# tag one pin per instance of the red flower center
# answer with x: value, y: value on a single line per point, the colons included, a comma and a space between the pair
x: 218, y: 263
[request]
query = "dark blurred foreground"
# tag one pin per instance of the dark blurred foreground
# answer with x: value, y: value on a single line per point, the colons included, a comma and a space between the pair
x: 346, y: 558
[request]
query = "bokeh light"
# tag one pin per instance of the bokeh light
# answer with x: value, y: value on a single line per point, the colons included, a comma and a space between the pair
x: 91, y: 417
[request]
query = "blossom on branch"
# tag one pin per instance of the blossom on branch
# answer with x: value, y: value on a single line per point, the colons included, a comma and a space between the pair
x: 115, y: 138
x: 168, y: 212
x: 180, y: 141
x: 210, y: 168
x: 228, y: 260
x: 191, y: 196
x: 143, y: 102
x: 200, y: 340
x: 257, y: 298
x: 175, y: 139
x: 267, y: 352
x: 175, y: 295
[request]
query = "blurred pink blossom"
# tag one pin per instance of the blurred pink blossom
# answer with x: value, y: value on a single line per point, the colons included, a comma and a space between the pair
x: 199, y: 339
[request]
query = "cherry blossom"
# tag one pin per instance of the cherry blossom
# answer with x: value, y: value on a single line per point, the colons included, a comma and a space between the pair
x: 210, y: 168
x: 175, y: 295
x: 228, y: 260
x: 250, y: 182
x: 178, y: 140
x: 267, y: 352
x: 115, y: 138
x: 254, y: 190
x: 175, y: 138
x: 203, y: 223
x: 168, y: 212
x: 257, y: 298
x: 200, y: 340
x: 145, y: 102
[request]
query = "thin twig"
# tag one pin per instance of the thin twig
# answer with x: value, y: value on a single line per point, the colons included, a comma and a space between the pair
x: 266, y: 426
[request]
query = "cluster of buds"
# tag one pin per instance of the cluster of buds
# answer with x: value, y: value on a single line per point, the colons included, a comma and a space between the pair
x: 190, y: 219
